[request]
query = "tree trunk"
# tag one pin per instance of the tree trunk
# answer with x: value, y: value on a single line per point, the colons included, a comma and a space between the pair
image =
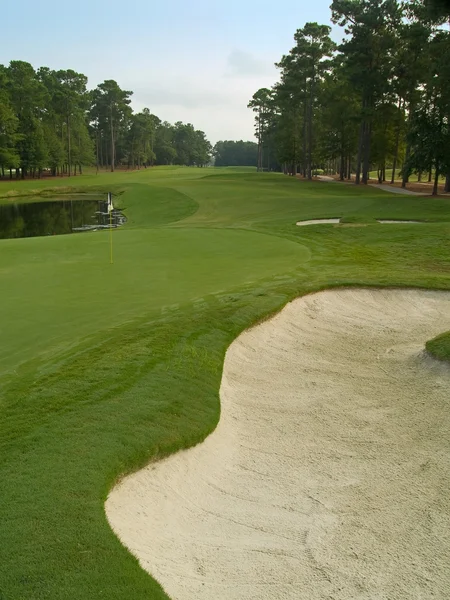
x: 259, y: 141
x: 96, y: 148
x: 310, y: 133
x: 112, y: 142
x: 69, y: 149
x: 366, y: 164
x: 360, y: 152
x: 305, y: 138
x: 436, y: 179
x: 447, y: 183
x: 405, y: 176
x: 10, y: 173
x: 397, y: 141
x: 152, y: 146
x: 419, y: 177
x: 430, y: 174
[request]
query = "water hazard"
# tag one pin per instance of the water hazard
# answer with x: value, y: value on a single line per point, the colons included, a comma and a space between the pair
x: 57, y: 216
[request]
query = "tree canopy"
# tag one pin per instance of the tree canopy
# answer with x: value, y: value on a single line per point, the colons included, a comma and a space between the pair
x: 49, y: 120
x: 380, y: 99
x: 230, y: 153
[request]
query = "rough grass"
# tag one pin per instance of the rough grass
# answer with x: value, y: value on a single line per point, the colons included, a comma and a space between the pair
x: 439, y: 347
x: 105, y: 367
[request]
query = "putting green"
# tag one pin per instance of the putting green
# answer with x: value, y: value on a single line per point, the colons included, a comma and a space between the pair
x: 62, y: 288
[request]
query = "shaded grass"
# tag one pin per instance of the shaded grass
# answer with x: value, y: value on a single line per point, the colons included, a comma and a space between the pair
x: 108, y: 367
x: 413, y: 178
x: 61, y: 192
x: 439, y: 347
x: 102, y: 181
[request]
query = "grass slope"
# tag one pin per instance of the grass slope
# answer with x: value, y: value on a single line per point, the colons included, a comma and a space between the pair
x: 105, y: 367
x: 439, y: 347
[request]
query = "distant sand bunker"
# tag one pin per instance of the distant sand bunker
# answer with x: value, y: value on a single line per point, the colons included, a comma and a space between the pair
x: 323, y: 221
x: 395, y: 222
x: 317, y: 222
x: 329, y: 473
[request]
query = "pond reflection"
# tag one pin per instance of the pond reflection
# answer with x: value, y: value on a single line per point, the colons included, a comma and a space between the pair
x: 55, y: 217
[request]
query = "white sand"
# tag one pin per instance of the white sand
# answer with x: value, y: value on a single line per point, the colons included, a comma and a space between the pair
x: 321, y: 221
x: 395, y: 222
x: 328, y: 476
x: 317, y: 222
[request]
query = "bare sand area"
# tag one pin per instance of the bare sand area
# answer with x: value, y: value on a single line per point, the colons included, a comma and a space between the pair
x: 318, y: 222
x: 328, y: 476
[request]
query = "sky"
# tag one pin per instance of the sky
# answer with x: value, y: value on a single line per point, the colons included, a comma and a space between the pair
x: 194, y: 61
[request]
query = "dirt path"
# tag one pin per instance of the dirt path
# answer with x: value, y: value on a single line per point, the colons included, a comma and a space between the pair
x: 328, y: 476
x: 394, y: 190
x: 327, y: 179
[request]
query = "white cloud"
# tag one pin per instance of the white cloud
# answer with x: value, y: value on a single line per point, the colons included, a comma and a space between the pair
x: 246, y: 64
x: 183, y: 96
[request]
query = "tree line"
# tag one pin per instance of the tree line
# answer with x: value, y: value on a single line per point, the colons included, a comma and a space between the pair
x: 230, y: 153
x: 379, y: 100
x: 49, y: 120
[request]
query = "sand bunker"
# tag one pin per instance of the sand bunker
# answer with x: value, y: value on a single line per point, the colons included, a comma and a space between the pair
x: 321, y: 221
x: 396, y: 221
x: 317, y: 222
x: 328, y: 475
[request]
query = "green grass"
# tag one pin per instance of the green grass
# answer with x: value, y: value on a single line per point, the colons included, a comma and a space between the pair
x: 105, y: 367
x: 439, y: 347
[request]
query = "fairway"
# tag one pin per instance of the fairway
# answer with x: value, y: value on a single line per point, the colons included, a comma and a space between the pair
x: 104, y: 368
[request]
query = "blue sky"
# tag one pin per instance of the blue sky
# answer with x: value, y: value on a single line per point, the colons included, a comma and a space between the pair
x: 192, y: 61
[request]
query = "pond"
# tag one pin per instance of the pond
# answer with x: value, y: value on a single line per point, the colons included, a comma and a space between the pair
x: 57, y: 216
